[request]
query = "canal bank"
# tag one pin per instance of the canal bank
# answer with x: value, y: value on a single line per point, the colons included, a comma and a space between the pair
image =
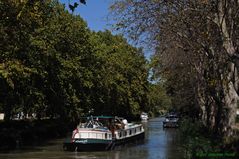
x: 20, y: 133
x: 159, y: 143
x: 199, y: 142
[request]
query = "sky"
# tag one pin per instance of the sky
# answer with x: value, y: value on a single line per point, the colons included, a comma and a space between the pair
x: 94, y: 13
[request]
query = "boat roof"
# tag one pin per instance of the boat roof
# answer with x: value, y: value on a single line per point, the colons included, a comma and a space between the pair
x: 144, y: 113
x: 172, y: 115
x: 102, y: 117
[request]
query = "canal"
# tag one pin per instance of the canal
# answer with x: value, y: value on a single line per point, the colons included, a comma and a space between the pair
x: 159, y: 143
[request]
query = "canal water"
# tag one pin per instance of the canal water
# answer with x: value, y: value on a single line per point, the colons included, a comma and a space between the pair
x: 159, y: 143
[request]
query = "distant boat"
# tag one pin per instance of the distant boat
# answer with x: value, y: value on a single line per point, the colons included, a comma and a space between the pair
x: 144, y: 116
x: 103, y: 133
x: 171, y: 121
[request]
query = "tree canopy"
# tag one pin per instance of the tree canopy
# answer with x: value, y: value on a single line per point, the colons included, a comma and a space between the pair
x: 196, y: 45
x: 52, y: 65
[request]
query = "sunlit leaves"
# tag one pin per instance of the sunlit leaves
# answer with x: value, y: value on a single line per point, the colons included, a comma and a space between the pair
x: 54, y: 66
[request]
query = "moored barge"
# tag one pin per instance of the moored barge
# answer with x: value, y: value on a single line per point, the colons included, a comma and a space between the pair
x: 100, y: 133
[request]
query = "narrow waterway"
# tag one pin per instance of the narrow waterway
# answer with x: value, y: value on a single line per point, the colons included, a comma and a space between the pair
x: 159, y: 144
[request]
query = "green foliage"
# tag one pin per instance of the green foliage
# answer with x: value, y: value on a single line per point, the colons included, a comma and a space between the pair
x: 121, y: 75
x: 52, y: 65
x: 195, y: 138
x: 159, y: 101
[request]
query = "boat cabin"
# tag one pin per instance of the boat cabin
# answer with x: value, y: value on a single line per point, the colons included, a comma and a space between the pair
x: 103, y: 133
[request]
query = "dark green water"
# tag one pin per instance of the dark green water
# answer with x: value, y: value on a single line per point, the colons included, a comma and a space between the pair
x: 159, y: 144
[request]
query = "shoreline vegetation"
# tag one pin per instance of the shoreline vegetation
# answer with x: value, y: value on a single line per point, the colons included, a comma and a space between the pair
x: 17, y: 134
x: 200, y: 143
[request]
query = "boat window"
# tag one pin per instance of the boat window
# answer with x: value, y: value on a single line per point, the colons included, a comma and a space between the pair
x: 84, y: 135
x: 105, y: 135
x: 125, y: 133
x: 130, y: 132
x: 120, y: 134
x: 99, y: 136
x: 93, y: 135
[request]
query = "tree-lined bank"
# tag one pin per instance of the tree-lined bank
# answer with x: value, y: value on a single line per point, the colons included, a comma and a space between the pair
x: 52, y: 65
x: 196, y: 55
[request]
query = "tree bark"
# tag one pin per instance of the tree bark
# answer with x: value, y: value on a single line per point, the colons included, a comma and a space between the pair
x: 231, y: 86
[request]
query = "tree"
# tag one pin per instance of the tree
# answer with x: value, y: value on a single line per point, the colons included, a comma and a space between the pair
x: 199, y: 39
x: 121, y: 75
x: 52, y: 65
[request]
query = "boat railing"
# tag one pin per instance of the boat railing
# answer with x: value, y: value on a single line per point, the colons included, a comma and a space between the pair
x: 95, y: 135
x: 91, y: 124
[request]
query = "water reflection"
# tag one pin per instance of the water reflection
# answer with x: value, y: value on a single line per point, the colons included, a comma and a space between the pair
x: 159, y: 143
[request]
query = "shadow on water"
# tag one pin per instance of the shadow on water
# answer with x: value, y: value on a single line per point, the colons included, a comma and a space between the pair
x: 159, y: 143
